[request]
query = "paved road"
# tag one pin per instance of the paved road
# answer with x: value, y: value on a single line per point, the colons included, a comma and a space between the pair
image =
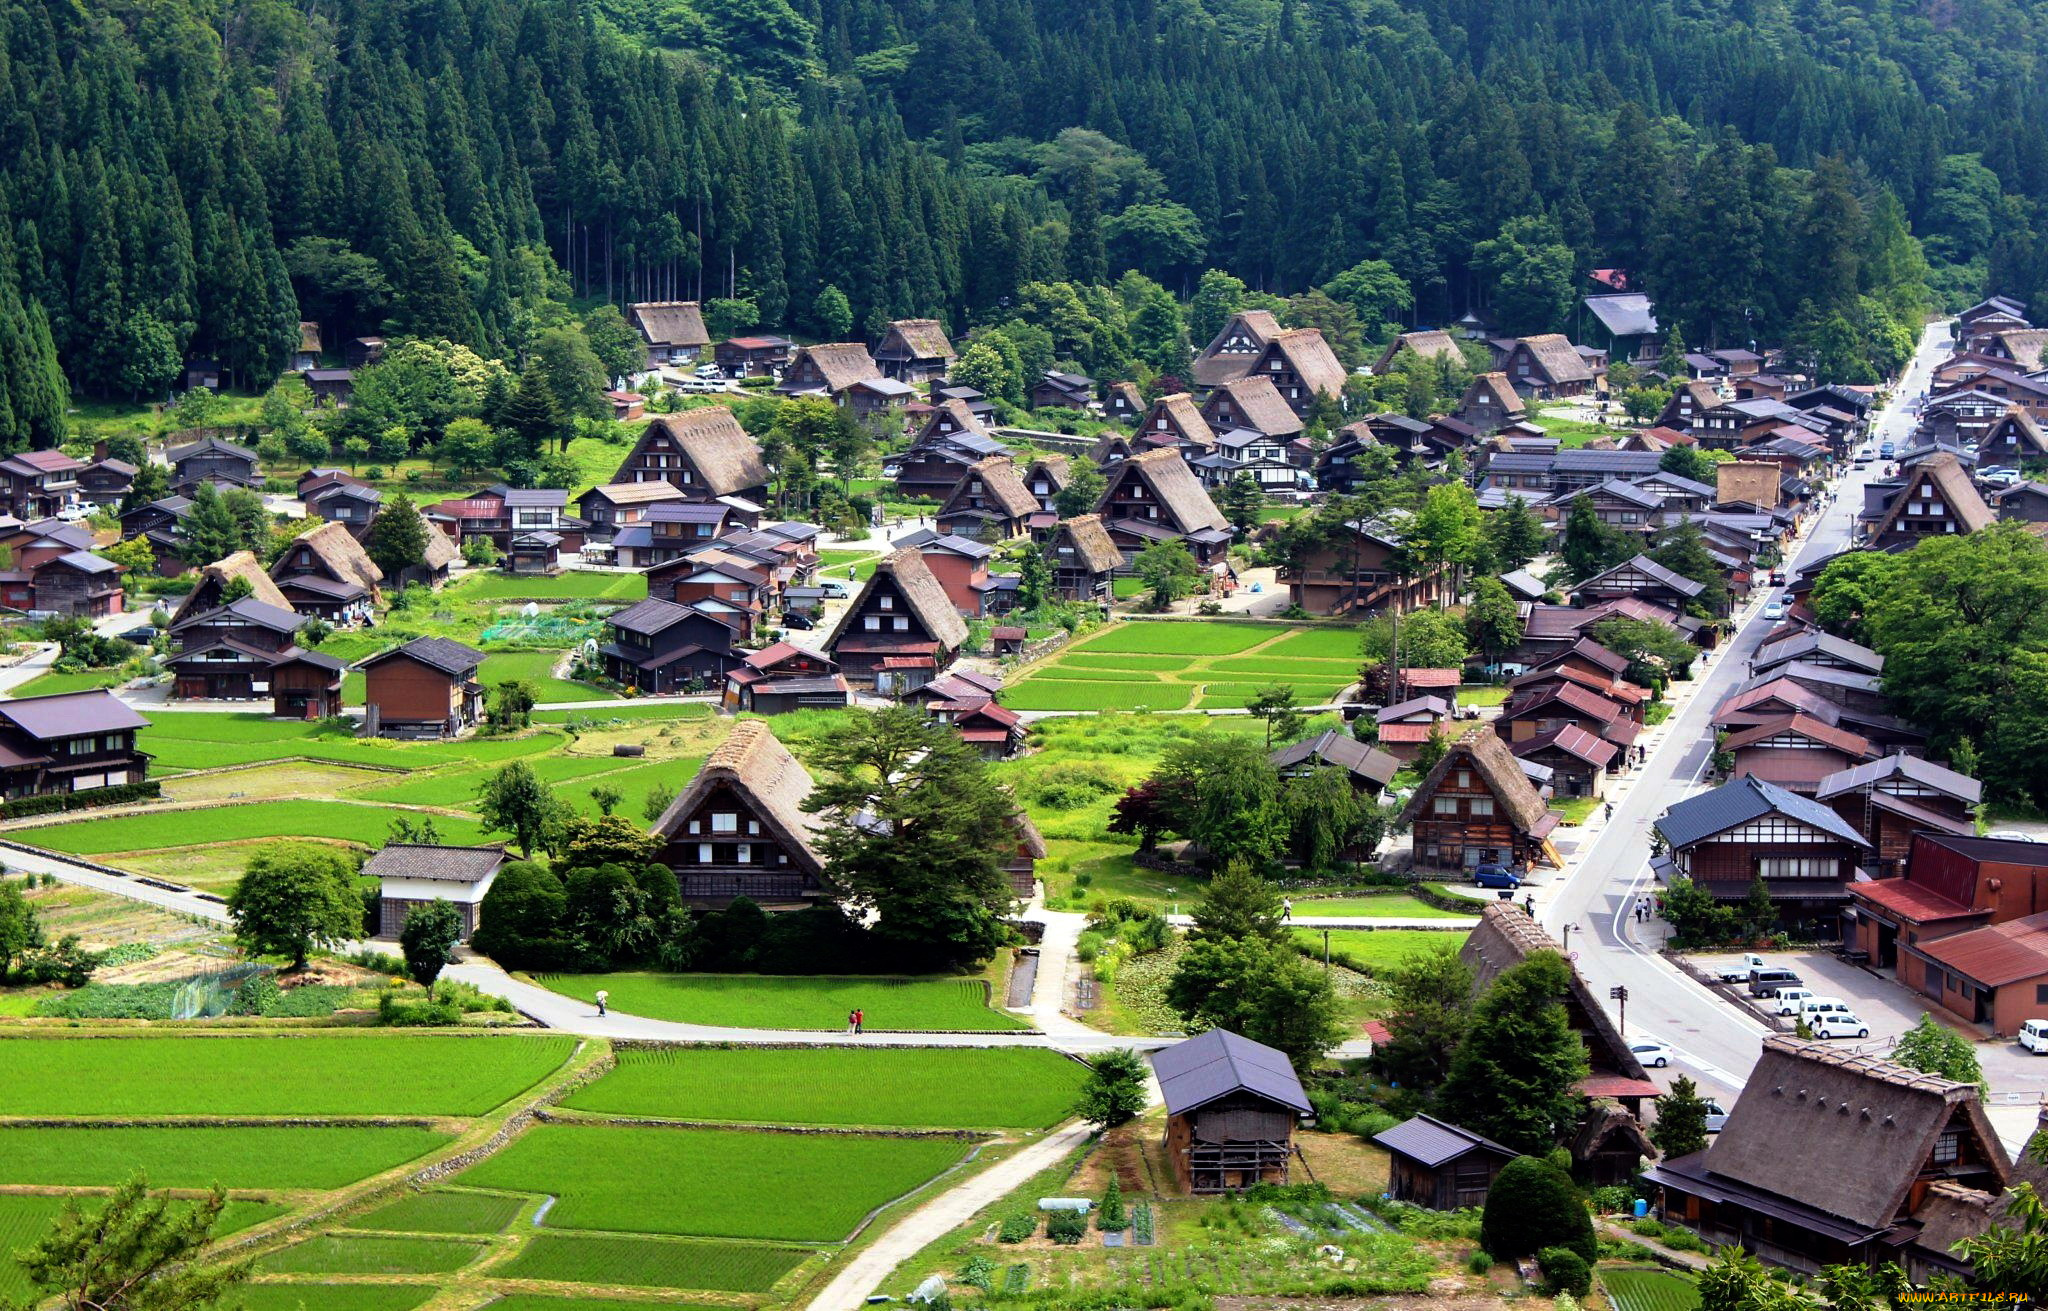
x: 1714, y: 1042
x: 183, y: 902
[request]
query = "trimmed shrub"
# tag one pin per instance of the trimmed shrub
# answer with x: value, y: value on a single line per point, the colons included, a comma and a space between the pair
x: 1479, y: 1262
x: 1534, y: 1205
x: 57, y: 802
x: 1565, y: 1271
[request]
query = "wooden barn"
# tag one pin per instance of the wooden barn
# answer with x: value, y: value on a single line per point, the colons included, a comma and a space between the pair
x: 1437, y: 1165
x: 1231, y: 1106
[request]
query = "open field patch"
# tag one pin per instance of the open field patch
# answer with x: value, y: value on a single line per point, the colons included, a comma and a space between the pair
x: 1049, y: 693
x: 1076, y: 659
x: 267, y: 819
x: 273, y: 1074
x: 333, y: 1297
x: 458, y: 787
x: 768, y: 1001
x: 644, y: 1263
x: 1193, y: 637
x: 297, y: 778
x: 535, y: 1302
x: 574, y: 586
x: 24, y: 1218
x: 1319, y: 644
x: 788, y: 1186
x: 244, y: 1157
x: 604, y: 714
x: 1238, y: 695
x: 1371, y: 950
x: 1393, y: 905
x: 331, y: 1254
x: 443, y: 1211
x: 935, y: 1087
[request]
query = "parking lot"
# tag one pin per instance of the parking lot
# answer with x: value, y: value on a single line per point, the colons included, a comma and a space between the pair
x: 2017, y: 1077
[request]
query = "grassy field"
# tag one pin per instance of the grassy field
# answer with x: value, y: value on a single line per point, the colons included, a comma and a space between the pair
x: 196, y: 740
x: 443, y: 1212
x: 1158, y: 665
x: 339, y: 1074
x: 535, y: 1302
x: 1634, y: 1288
x: 370, y: 1255
x: 267, y: 819
x: 332, y: 1297
x: 653, y: 710
x: 1392, y: 905
x: 936, y: 1087
x: 644, y: 1263
x: 832, y: 565
x: 820, y: 1002
x: 574, y: 586
x: 1376, y: 949
x: 712, y: 1183
x: 238, y: 1157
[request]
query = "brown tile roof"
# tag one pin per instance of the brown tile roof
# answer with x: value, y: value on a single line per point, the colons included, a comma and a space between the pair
x: 1310, y: 354
x: 753, y: 761
x: 1806, y: 726
x: 726, y: 456
x: 1558, y: 358
x: 344, y: 556
x: 1489, y: 757
x: 923, y: 338
x: 671, y: 322
x: 1914, y: 901
x: 1176, y: 488
x: 637, y: 493
x: 1092, y: 543
x: 1262, y: 406
x: 1001, y: 484
x: 843, y: 363
x: 1843, y: 1133
x: 1572, y: 740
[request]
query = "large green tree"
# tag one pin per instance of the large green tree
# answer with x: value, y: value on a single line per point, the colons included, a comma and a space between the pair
x: 1512, y: 1076
x: 397, y: 539
x: 130, y: 1251
x: 293, y: 897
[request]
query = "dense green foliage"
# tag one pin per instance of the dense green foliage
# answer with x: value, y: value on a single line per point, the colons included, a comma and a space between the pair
x: 1533, y: 1205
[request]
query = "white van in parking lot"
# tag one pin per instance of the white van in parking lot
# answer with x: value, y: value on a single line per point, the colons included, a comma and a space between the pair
x: 1812, y: 1008
x: 1837, y: 1024
x: 1788, y: 1000
x: 2033, y: 1036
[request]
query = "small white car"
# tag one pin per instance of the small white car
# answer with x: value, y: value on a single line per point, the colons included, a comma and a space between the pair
x: 1838, y: 1024
x: 1717, y: 1116
x: 1654, y: 1055
x: 2033, y: 1036
x: 1774, y: 608
x: 2011, y: 835
x: 77, y: 512
x: 1788, y: 1000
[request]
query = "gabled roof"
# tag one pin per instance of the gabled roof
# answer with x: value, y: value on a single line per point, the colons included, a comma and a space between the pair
x: 842, y: 363
x: 726, y: 457
x: 931, y: 541
x: 1626, y: 315
x: 1485, y: 754
x: 1657, y: 573
x: 242, y: 564
x: 2020, y: 425
x: 1212, y: 369
x: 1945, y: 475
x: 1800, y: 646
x: 1259, y: 405
x: 1217, y: 1063
x: 1341, y: 750
x: 921, y: 338
x: 344, y: 556
x: 671, y: 323
x: 1431, y: 1142
x: 753, y: 762
x: 1311, y: 357
x: 1174, y: 486
x: 1844, y: 1133
x: 1914, y: 768
x: 1741, y: 800
x: 278, y: 619
x: 1181, y: 412
x: 445, y: 654
x: 1573, y: 741
x: 204, y: 446
x: 920, y: 590
x: 70, y: 714
x: 651, y: 616
x: 1806, y: 726
x: 1559, y: 360
x: 635, y: 493
x: 1092, y: 543
x: 1429, y: 344
x: 535, y: 498
x: 1000, y: 484
x: 1498, y: 389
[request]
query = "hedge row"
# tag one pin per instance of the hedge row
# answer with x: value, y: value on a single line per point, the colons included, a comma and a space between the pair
x: 56, y: 802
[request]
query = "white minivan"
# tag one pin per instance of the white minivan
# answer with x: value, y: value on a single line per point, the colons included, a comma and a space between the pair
x: 1788, y: 1000
x: 1837, y: 1024
x: 2033, y: 1036
x: 1811, y: 1008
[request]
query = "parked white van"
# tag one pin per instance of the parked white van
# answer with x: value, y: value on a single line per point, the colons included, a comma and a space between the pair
x: 1837, y: 1024
x: 2033, y: 1036
x: 1812, y: 1008
x: 1788, y: 1000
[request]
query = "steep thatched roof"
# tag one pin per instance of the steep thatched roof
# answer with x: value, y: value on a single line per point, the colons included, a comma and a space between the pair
x: 1255, y: 403
x: 1001, y: 487
x: 344, y: 556
x: 753, y: 762
x: 919, y: 338
x: 214, y: 577
x: 1181, y: 412
x: 1486, y: 755
x: 1496, y: 387
x: 1431, y: 344
x: 1312, y: 359
x: 1174, y: 486
x: 1946, y: 478
x: 671, y: 323
x: 1091, y: 542
x: 726, y: 457
x: 921, y: 591
x: 842, y: 363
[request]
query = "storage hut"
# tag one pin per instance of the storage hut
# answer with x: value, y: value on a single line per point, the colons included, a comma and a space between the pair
x: 1231, y: 1104
x: 1438, y: 1165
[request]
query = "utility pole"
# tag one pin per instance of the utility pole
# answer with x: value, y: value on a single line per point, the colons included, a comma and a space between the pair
x: 1620, y: 994
x: 1326, y: 951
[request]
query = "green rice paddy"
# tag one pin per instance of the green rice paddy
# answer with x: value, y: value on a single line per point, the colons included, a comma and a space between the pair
x: 820, y: 1002
x: 936, y: 1087
x: 248, y: 1157
x: 338, y: 820
x: 26, y: 1217
x: 644, y: 1263
x: 1199, y: 664
x: 787, y: 1186
x: 331, y: 1254
x: 272, y: 1074
x: 443, y: 1212
x: 1372, y: 950
x: 1633, y: 1288
x: 331, y: 1297
x: 1393, y: 905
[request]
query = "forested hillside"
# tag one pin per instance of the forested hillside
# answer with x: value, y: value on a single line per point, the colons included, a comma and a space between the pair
x: 191, y: 179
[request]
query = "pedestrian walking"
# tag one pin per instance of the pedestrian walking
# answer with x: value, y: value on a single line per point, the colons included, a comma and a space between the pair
x: 852, y: 1018
x: 602, y: 998
x: 1529, y: 904
x: 1286, y: 909
x: 860, y: 1019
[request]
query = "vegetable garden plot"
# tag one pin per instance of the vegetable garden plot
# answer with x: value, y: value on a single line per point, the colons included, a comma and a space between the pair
x: 1641, y: 1289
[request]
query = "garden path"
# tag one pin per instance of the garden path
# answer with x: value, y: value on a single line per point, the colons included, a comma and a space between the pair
x: 33, y: 665
x: 1055, y: 973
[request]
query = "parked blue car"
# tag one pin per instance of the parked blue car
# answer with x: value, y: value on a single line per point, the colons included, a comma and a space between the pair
x: 1493, y: 876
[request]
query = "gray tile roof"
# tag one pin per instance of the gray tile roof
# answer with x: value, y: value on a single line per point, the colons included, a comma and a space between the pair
x: 405, y: 860
x: 1217, y: 1063
x: 1431, y: 1142
x: 444, y: 654
x: 70, y: 714
x: 1742, y: 800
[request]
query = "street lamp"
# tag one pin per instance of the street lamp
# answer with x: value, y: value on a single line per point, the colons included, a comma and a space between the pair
x: 1568, y: 937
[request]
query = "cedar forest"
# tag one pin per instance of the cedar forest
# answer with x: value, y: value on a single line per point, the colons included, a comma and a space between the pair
x: 190, y: 180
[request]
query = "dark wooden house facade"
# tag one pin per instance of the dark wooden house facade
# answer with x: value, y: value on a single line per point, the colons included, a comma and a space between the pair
x: 1231, y: 1108
x: 739, y: 829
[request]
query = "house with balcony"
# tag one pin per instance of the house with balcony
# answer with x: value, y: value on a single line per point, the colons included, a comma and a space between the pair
x: 1478, y: 807
x: 703, y: 453
x: 1084, y: 559
x: 989, y: 503
x: 662, y: 648
x: 901, y: 631
x: 1155, y: 497
x: 1361, y: 570
x: 1748, y: 829
x: 212, y: 460
x: 37, y: 484
x: 68, y: 742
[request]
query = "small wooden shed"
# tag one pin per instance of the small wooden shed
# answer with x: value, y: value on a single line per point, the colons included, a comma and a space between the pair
x: 1433, y: 1163
x: 1231, y: 1105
